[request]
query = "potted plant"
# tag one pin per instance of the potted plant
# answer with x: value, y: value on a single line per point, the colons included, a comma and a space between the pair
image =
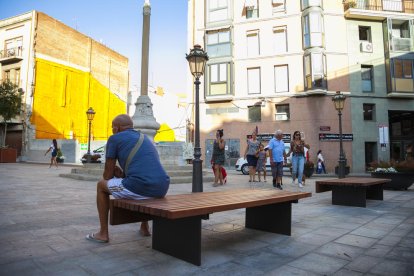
x: 309, y: 168
x: 349, y: 4
x: 95, y: 158
x: 59, y: 157
x: 400, y: 173
x: 10, y: 103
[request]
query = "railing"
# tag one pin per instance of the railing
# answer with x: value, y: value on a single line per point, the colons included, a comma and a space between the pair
x: 404, y: 6
x: 402, y: 44
x: 12, y: 52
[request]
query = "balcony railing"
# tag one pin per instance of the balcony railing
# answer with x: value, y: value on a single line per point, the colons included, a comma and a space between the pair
x: 402, y: 44
x: 12, y: 52
x: 403, y: 6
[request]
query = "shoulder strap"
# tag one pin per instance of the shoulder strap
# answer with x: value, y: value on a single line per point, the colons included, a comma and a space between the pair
x: 134, y: 151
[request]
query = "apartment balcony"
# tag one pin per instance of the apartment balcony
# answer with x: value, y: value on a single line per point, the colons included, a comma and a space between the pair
x: 378, y: 9
x: 11, y: 55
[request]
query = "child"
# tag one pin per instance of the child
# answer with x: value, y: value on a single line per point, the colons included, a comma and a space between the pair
x: 261, y: 162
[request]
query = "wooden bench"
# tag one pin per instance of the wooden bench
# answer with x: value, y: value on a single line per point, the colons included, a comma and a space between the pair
x: 177, y: 218
x: 352, y: 191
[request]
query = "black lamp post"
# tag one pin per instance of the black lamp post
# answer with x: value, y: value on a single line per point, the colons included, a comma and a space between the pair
x: 197, y: 59
x: 339, y: 101
x: 90, y: 114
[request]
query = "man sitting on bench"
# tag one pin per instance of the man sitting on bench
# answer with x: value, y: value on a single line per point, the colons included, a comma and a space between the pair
x: 142, y: 175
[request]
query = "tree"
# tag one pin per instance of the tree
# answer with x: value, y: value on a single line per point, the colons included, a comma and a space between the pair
x: 10, y: 103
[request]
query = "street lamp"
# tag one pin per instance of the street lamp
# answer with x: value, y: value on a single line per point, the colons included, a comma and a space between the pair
x: 339, y: 102
x: 90, y: 114
x: 197, y: 59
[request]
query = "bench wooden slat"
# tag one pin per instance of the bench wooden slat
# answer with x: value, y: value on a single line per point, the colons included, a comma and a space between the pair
x: 186, y: 205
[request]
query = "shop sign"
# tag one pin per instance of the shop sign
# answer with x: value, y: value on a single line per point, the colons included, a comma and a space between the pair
x: 265, y: 137
x: 335, y: 137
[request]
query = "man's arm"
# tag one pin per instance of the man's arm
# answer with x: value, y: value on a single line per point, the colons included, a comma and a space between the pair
x: 110, y: 164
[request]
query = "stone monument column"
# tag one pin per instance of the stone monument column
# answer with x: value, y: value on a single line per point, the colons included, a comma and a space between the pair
x: 143, y: 117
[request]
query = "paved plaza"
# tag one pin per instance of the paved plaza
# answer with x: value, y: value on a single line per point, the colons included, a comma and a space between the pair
x: 44, y: 219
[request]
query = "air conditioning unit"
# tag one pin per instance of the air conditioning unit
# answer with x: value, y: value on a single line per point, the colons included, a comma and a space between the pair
x: 281, y: 116
x: 366, y: 47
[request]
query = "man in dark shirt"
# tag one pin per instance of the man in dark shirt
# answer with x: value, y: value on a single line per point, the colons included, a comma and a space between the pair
x: 145, y: 177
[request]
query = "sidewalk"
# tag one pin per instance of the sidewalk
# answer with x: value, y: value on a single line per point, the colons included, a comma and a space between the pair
x: 44, y: 220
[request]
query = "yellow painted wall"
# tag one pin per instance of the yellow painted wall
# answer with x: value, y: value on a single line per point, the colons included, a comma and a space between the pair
x: 61, y: 98
x: 165, y: 134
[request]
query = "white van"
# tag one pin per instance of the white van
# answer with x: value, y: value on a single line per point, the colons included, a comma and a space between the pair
x: 241, y: 164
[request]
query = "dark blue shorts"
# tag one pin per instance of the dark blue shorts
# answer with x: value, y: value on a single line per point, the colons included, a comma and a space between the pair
x: 251, y: 160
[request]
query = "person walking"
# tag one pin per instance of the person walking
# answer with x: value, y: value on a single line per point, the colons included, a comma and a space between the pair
x: 321, y: 162
x: 218, y: 157
x: 250, y: 155
x: 141, y: 175
x: 277, y: 157
x: 261, y: 162
x: 54, y: 148
x: 297, y: 149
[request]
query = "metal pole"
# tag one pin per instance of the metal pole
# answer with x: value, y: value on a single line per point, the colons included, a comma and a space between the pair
x: 146, y: 11
x: 342, y: 160
x: 88, y: 154
x: 197, y: 162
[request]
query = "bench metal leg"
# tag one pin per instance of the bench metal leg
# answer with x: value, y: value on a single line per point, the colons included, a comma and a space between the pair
x: 375, y: 192
x: 180, y: 238
x: 275, y: 218
x: 349, y: 196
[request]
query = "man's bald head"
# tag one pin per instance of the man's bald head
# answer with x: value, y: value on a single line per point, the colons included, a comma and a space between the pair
x: 121, y: 122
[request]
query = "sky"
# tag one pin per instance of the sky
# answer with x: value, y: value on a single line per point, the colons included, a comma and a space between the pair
x: 118, y: 25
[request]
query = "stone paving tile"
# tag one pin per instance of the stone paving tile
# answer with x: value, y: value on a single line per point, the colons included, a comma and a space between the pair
x: 369, y: 232
x: 402, y: 254
x: 363, y: 263
x: 355, y: 240
x: 26, y: 267
x: 348, y: 272
x: 315, y: 239
x: 230, y: 267
x: 341, y: 251
x: 263, y: 261
x: 407, y: 242
x: 393, y: 268
x: 378, y: 250
x: 292, y: 248
x: 290, y: 270
x: 390, y: 240
x: 312, y: 262
x: 331, y: 231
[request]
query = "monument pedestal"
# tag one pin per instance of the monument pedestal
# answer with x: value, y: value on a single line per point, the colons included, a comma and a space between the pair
x: 143, y: 118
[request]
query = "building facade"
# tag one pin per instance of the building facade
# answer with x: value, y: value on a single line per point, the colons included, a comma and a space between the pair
x: 276, y: 64
x: 61, y: 73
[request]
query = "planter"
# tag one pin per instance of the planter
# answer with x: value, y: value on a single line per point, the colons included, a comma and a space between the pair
x: 8, y: 155
x: 60, y: 160
x: 399, y: 180
x: 347, y: 169
x: 92, y: 161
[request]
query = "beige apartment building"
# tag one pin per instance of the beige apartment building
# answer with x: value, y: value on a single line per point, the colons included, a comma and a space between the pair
x: 275, y: 64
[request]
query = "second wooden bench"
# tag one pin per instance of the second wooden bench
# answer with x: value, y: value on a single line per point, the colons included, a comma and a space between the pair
x: 352, y: 191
